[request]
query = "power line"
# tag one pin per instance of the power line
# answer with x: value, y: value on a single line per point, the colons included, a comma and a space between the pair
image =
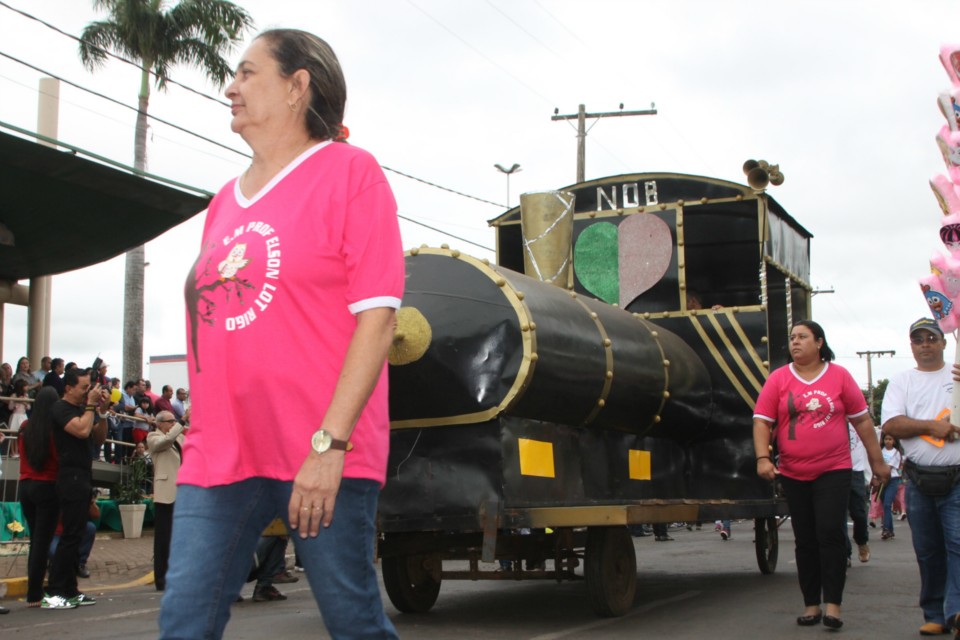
x: 211, y: 141
x: 122, y: 104
x: 111, y: 54
x: 427, y: 182
x: 482, y: 54
x: 213, y: 99
x: 446, y: 233
x: 557, y: 20
x: 521, y: 27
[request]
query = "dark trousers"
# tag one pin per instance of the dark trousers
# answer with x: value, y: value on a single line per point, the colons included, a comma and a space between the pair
x: 73, y: 488
x: 41, y: 510
x: 857, y: 508
x: 111, y: 452
x: 818, y: 513
x: 162, y: 529
x: 269, y: 560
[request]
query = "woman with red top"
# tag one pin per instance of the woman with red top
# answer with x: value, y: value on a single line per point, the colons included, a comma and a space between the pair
x: 38, y: 493
x: 805, y: 407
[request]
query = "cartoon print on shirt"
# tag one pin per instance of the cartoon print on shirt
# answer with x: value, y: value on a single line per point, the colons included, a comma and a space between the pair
x: 224, y: 294
x: 813, y: 408
x: 235, y: 262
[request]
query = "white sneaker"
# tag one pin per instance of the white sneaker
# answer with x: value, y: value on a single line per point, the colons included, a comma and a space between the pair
x: 56, y: 602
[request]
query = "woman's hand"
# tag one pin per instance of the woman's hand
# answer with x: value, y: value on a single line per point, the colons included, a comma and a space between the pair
x: 767, y: 470
x: 315, y: 492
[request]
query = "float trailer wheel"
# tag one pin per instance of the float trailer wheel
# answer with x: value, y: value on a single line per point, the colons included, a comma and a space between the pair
x: 610, y: 569
x: 767, y: 542
x: 410, y: 583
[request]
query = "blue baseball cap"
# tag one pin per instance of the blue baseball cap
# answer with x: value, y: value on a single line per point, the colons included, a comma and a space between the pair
x: 927, y: 324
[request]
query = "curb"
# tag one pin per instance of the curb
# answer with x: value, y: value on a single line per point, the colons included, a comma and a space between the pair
x: 13, y: 587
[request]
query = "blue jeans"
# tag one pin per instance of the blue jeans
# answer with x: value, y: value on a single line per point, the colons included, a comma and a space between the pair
x: 86, y: 543
x: 215, y: 534
x: 889, y: 495
x: 935, y: 524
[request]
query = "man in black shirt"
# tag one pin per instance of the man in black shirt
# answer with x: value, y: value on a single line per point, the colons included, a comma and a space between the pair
x: 75, y: 419
x: 53, y: 378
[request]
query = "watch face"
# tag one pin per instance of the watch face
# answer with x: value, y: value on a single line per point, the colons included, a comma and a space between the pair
x: 321, y: 441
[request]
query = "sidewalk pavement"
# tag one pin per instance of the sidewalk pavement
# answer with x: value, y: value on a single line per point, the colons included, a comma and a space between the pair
x: 115, y: 563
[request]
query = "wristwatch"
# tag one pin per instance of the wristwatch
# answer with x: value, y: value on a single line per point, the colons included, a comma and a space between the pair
x: 323, y: 441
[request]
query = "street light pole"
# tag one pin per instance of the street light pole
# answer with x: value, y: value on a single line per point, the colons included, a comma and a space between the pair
x: 514, y: 169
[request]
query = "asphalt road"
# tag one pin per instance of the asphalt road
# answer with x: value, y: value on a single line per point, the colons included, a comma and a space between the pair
x: 694, y: 587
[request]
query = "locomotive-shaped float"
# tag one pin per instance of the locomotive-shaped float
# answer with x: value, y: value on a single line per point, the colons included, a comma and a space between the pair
x: 535, y: 416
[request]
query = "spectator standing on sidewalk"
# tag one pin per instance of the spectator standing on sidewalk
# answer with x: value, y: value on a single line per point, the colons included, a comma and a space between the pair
x: 75, y: 420
x: 38, y: 489
x: 166, y: 448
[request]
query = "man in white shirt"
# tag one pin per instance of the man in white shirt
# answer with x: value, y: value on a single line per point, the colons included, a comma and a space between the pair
x: 916, y: 409
x: 44, y: 369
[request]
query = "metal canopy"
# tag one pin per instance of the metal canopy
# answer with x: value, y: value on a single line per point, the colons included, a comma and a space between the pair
x: 65, y: 212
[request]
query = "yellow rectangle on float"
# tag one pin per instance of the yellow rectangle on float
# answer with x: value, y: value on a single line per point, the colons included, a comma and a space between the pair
x: 536, y: 458
x: 639, y: 464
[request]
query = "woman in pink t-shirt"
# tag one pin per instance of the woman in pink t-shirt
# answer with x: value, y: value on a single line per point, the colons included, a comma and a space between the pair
x: 300, y: 263
x: 804, y: 407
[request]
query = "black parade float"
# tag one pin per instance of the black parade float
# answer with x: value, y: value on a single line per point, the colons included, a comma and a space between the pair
x: 600, y: 376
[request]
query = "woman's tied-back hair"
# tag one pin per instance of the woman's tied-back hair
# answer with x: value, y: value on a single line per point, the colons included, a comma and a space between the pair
x: 39, y: 431
x: 294, y: 50
x: 826, y: 353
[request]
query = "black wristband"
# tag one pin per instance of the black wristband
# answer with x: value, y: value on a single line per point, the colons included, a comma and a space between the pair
x: 764, y: 458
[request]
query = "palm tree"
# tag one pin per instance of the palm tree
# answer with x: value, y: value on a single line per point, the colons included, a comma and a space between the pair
x: 157, y: 36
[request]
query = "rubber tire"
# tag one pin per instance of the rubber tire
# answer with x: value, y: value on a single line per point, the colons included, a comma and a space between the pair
x: 410, y: 587
x: 610, y: 569
x: 767, y: 542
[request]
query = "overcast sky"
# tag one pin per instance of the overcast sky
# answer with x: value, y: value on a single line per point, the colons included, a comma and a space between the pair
x: 841, y: 94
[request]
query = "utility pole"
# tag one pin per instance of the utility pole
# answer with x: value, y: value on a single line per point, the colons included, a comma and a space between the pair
x: 870, y: 354
x: 581, y: 118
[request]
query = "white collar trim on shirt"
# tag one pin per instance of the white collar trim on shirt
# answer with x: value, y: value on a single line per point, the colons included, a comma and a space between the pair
x: 826, y: 365
x: 242, y: 199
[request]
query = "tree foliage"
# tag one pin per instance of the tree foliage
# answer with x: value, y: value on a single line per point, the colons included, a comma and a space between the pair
x: 878, y: 390
x: 157, y: 36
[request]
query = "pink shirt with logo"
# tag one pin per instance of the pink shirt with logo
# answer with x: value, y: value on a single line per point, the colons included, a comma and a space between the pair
x: 271, y: 305
x: 810, y: 419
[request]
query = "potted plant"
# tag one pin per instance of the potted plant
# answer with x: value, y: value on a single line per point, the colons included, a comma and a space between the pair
x: 129, y: 495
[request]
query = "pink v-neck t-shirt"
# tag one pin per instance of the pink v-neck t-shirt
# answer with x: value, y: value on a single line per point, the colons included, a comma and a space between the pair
x: 810, y: 419
x: 271, y: 308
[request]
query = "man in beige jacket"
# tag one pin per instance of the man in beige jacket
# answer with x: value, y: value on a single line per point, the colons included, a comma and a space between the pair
x: 166, y: 448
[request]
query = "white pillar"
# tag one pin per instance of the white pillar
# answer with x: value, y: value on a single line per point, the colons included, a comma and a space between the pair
x: 38, y: 309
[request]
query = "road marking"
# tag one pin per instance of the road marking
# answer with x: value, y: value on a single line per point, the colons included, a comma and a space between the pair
x: 650, y: 606
x: 61, y: 621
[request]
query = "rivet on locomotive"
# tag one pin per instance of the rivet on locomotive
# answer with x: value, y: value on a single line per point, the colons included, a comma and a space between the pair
x: 602, y: 374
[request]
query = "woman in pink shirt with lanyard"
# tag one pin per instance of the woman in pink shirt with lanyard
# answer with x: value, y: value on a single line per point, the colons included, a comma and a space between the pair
x: 804, y: 406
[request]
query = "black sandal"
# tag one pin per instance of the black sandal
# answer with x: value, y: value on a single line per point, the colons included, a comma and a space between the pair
x: 809, y: 621
x: 832, y: 623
